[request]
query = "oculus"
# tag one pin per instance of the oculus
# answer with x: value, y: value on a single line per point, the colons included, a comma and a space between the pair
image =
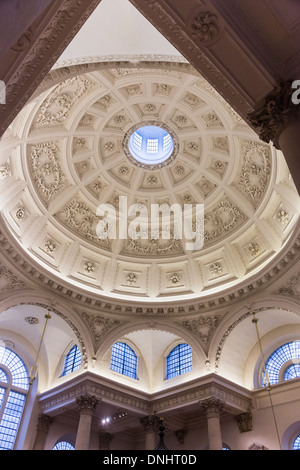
x: 150, y: 146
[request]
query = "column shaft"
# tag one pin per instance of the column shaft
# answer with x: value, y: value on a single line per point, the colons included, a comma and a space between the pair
x: 87, y: 405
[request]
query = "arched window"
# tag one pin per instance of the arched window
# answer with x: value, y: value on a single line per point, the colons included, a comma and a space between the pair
x: 63, y: 445
x: 296, y: 443
x: 225, y: 447
x: 284, y: 363
x: 72, y: 360
x: 179, y: 361
x: 14, y: 385
x: 124, y: 360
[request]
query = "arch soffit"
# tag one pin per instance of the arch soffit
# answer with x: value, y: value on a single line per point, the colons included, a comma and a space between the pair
x: 63, y: 312
x: 228, y: 326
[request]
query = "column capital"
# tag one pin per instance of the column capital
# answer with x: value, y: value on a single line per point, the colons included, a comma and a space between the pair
x: 87, y: 403
x: 212, y: 405
x: 150, y: 423
x: 276, y: 113
x: 44, y: 422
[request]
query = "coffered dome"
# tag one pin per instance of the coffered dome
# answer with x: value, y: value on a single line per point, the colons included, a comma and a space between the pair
x: 68, y: 152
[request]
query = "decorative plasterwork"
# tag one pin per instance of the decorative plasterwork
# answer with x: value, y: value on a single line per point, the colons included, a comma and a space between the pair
x: 54, y: 401
x: 205, y: 27
x: 8, y: 280
x: 74, y: 160
x: 99, y: 326
x: 275, y: 113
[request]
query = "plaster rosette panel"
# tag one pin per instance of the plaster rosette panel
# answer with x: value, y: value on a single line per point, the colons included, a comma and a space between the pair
x: 68, y: 152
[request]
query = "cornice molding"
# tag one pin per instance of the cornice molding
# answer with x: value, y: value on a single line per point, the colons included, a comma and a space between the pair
x: 195, y: 34
x: 236, y: 400
x: 17, y: 259
x: 25, y: 66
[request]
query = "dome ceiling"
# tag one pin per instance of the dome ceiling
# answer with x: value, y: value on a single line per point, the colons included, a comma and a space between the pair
x: 66, y: 153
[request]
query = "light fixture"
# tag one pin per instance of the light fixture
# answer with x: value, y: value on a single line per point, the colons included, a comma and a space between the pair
x: 265, y: 376
x: 105, y: 420
x: 161, y: 444
x: 34, y: 368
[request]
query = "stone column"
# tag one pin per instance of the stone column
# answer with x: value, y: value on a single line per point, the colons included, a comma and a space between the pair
x: 277, y: 120
x: 212, y: 408
x: 42, y: 429
x: 150, y: 424
x: 104, y: 440
x: 87, y: 404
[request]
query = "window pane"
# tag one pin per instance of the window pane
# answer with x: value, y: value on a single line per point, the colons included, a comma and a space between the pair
x: 292, y: 372
x: 73, y: 360
x: 3, y: 376
x: 179, y: 361
x: 279, y: 357
x: 63, y: 445
x: 296, y: 444
x: 2, y: 393
x: 124, y: 360
x: 11, y: 419
x: 17, y: 368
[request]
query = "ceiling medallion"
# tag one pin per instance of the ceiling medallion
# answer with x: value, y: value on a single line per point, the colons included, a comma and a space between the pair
x: 150, y: 145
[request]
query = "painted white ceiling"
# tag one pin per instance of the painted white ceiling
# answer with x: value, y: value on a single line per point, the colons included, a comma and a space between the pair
x: 116, y: 29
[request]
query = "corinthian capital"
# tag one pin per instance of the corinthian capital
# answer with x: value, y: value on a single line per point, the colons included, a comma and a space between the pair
x: 150, y: 423
x: 87, y: 403
x: 276, y: 113
x: 212, y: 405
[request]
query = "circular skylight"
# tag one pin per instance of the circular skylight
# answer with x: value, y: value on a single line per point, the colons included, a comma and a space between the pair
x: 151, y: 145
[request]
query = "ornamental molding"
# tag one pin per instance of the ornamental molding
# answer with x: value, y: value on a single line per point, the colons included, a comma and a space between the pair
x: 65, y: 291
x: 134, y: 59
x: 291, y: 287
x: 47, y: 174
x: 232, y: 401
x: 161, y: 15
x: 100, y: 326
x: 8, y: 280
x: 203, y: 327
x: 56, y: 107
x: 255, y: 171
x: 29, y: 61
x: 62, y: 176
x: 206, y: 27
x: 66, y: 396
